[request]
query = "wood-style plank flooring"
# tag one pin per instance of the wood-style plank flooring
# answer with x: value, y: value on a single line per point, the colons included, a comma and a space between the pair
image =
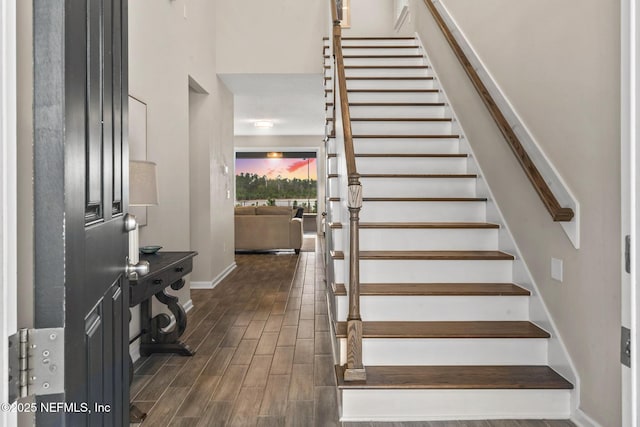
x: 263, y: 357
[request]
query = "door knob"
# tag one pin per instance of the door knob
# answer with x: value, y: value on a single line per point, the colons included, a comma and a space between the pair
x: 134, y: 271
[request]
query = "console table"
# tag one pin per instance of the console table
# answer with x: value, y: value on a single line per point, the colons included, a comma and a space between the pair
x: 166, y: 269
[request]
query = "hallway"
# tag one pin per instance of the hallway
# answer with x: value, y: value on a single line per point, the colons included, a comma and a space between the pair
x: 263, y: 355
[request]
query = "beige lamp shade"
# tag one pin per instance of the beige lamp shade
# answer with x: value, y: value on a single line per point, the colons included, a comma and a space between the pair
x: 143, y: 186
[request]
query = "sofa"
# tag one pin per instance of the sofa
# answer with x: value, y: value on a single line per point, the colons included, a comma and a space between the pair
x: 267, y: 227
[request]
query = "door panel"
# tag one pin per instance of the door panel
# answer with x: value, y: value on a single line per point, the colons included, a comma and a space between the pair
x: 87, y: 139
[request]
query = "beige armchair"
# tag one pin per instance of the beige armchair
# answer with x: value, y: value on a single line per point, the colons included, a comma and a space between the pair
x: 267, y: 227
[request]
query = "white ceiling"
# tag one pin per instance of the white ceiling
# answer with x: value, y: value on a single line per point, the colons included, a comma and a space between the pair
x: 294, y: 102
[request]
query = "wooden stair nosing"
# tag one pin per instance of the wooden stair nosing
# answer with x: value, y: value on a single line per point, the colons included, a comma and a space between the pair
x: 384, y: 155
x: 434, y: 289
x: 389, y: 90
x: 457, y: 377
x: 423, y: 225
x: 417, y: 175
x: 386, y: 67
x: 393, y: 90
x: 427, y: 136
x: 390, y: 78
x: 397, y: 104
x: 424, y: 199
x: 401, y: 119
x: 378, y: 56
x: 465, y: 255
x: 447, y: 329
x: 438, y: 225
x: 392, y: 46
x: 378, y: 38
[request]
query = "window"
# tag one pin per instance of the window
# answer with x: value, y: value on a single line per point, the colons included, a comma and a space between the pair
x: 278, y: 179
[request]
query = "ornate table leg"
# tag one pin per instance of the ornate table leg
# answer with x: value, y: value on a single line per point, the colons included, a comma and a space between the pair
x: 159, y: 340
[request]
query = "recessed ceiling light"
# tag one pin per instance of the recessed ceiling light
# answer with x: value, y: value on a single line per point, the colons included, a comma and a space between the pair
x: 263, y: 124
x: 274, y: 155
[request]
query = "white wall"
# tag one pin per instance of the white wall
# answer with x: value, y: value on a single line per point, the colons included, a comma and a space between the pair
x: 284, y: 142
x: 373, y: 18
x: 256, y: 36
x: 562, y: 77
x: 170, y: 41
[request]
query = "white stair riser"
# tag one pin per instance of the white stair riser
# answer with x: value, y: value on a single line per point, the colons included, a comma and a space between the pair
x: 423, y: 211
x: 385, y: 111
x: 409, y: 60
x: 415, y: 405
x: 411, y: 164
x: 382, y: 50
x: 418, y: 187
x: 420, y: 271
x: 337, y: 238
x: 437, y: 308
x: 401, y: 128
x: 388, y: 72
x: 394, y: 97
x: 424, y: 239
x: 333, y: 187
x: 405, y: 146
x: 382, y: 42
x: 442, y: 351
x: 388, y: 84
x: 332, y: 165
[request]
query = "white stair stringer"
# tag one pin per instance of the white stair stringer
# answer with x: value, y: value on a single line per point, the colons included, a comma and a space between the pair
x: 381, y: 105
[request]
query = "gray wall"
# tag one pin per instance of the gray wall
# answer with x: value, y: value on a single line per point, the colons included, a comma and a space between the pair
x: 558, y: 64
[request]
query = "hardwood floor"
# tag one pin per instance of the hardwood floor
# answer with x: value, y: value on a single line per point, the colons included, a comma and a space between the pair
x: 263, y: 355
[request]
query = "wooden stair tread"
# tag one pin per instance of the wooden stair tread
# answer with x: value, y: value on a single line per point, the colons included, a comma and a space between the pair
x: 388, y: 91
x: 379, y: 56
x: 377, y: 38
x: 411, y: 155
x: 438, y: 225
x: 416, y: 175
x: 430, y: 255
x: 395, y: 46
x: 390, y: 78
x: 457, y: 377
x: 435, y: 289
x: 449, y: 329
x: 386, y: 67
x: 456, y: 225
x: 394, y: 90
x: 396, y: 104
x: 401, y: 119
x: 426, y: 136
x: 424, y: 199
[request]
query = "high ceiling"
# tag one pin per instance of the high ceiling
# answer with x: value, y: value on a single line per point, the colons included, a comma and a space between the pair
x: 293, y: 102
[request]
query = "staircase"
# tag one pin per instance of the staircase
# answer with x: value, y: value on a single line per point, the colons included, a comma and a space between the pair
x: 447, y: 334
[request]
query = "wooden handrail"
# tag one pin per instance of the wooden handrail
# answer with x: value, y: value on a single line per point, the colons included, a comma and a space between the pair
x: 558, y: 213
x: 354, y: 370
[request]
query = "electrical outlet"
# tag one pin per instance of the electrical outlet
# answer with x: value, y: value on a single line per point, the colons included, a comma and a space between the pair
x: 556, y: 269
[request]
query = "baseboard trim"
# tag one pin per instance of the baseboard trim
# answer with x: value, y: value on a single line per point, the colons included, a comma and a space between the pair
x: 216, y: 280
x: 188, y: 306
x: 583, y: 420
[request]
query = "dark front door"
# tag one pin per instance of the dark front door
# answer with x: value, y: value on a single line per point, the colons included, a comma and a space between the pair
x: 81, y: 199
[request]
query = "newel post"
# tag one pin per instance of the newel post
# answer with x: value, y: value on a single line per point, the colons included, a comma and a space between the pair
x: 355, y: 369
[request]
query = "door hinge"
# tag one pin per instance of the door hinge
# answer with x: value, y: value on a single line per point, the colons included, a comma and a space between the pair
x: 625, y: 347
x: 36, y: 362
